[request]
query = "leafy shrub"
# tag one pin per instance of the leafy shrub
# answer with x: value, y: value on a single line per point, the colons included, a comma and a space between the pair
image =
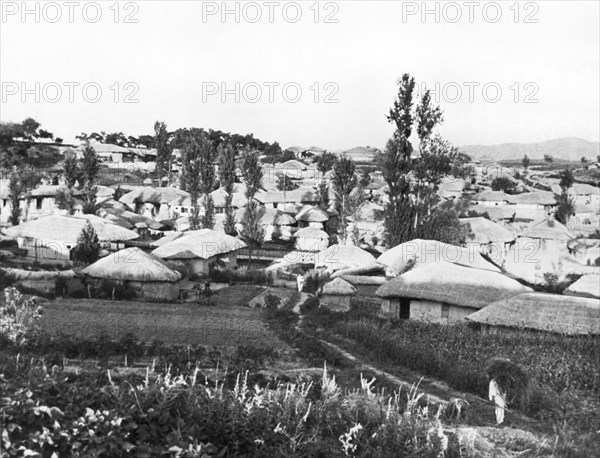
x: 258, y: 277
x: 19, y: 316
x: 311, y: 303
x: 271, y: 301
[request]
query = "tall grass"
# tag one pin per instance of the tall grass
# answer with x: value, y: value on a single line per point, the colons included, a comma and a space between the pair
x: 565, y: 370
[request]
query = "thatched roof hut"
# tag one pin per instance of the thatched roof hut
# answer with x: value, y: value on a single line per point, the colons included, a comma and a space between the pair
x: 68, y: 228
x: 311, y: 239
x: 586, y: 286
x: 338, y: 257
x: 132, y: 264
x: 488, y: 230
x: 432, y: 251
x: 364, y: 280
x: 548, y: 229
x: 338, y: 287
x: 448, y: 283
x: 203, y: 244
x: 544, y: 312
x: 311, y: 214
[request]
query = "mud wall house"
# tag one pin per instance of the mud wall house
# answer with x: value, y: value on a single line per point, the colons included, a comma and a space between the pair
x: 199, y: 250
x: 533, y: 205
x: 337, y: 295
x: 443, y: 292
x: 51, y: 239
x: 488, y: 237
x: 542, y: 312
x: 109, y: 153
x: 42, y: 202
x: 341, y: 257
x: 312, y: 216
x: 275, y: 199
x: 147, y: 275
x: 491, y: 199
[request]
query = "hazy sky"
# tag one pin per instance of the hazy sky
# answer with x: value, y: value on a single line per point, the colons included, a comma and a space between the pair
x: 174, y: 62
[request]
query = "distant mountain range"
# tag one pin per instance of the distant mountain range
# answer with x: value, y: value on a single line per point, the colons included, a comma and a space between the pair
x: 567, y: 149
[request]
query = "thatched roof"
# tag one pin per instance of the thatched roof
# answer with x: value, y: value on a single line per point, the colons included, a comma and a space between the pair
x: 132, y: 264
x: 363, y: 280
x: 366, y: 269
x: 219, y: 197
x: 203, y: 244
x: 270, y: 216
x: 496, y: 213
x: 538, y: 197
x: 432, y: 251
x: 492, y: 196
x: 338, y: 257
x: 452, y: 284
x: 299, y: 195
x: 548, y: 229
x: 545, y: 312
x: 311, y: 233
x: 312, y: 215
x: 491, y: 231
x: 152, y: 195
x: 68, y: 228
x: 586, y: 286
x: 338, y: 287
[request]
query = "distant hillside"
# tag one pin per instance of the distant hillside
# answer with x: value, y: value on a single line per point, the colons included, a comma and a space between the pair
x: 568, y: 149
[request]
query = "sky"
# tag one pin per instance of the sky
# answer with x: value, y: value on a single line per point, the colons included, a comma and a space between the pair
x: 303, y: 73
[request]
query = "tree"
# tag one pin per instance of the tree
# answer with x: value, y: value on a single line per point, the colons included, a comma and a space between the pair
x: 208, y: 218
x: 163, y: 151
x: 71, y: 169
x: 548, y: 159
x: 87, y: 250
x: 252, y: 173
x: 525, y: 163
x: 584, y: 160
x: 412, y: 206
x: 285, y: 184
x: 20, y: 183
x: 252, y: 230
x: 191, y: 177
x: 227, y: 155
x: 325, y: 162
x: 365, y: 178
x: 344, y: 181
x: 90, y: 168
x: 502, y: 183
x: 565, y: 204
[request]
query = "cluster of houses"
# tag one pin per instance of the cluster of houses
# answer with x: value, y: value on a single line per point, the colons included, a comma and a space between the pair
x: 514, y: 240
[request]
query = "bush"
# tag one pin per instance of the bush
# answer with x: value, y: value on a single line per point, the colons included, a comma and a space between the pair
x: 271, y: 301
x: 258, y: 277
x: 311, y: 303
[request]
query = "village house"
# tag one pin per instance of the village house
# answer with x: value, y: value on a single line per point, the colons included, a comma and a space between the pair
x: 148, y: 276
x: 198, y: 251
x: 52, y: 238
x: 312, y: 216
x: 275, y: 199
x: 336, y: 295
x: 533, y: 205
x: 312, y: 240
x: 443, y: 292
x: 489, y: 238
x: 543, y: 312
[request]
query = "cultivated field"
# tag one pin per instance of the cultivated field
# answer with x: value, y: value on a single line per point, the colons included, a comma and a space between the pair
x: 171, y: 323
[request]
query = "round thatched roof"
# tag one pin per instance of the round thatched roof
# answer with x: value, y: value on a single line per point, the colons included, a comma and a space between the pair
x: 586, y: 286
x: 338, y: 287
x: 68, y: 228
x: 544, y: 312
x: 203, y: 244
x: 132, y: 264
x: 493, y: 232
x: 311, y: 233
x: 312, y: 215
x: 452, y: 284
x: 432, y: 251
x: 338, y: 257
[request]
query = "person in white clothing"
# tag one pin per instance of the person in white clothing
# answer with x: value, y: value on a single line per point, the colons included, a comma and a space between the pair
x: 499, y: 399
x: 300, y: 282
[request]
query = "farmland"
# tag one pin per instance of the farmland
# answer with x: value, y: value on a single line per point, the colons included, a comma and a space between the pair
x: 170, y: 323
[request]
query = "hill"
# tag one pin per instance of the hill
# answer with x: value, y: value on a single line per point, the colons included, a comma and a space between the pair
x: 568, y: 149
